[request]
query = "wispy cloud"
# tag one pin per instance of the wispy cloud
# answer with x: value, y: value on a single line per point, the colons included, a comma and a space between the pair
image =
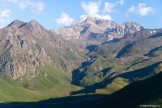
x: 142, y: 9
x: 91, y: 9
x: 4, y: 15
x: 35, y: 6
x: 64, y: 19
x: 28, y: 4
x: 132, y: 9
x: 109, y: 6
x: 12, y: 1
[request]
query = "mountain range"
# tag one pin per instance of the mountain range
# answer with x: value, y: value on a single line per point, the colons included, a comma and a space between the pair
x: 95, y: 29
x: 93, y: 56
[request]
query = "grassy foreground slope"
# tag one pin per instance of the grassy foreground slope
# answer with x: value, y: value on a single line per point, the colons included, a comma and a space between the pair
x: 50, y: 83
x: 115, y: 85
x: 148, y: 91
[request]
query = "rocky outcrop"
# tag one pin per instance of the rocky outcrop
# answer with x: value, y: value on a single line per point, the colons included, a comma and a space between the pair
x: 21, y: 54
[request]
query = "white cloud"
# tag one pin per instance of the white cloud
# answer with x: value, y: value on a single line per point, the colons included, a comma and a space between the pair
x: 4, y: 15
x: 36, y: 6
x: 132, y: 9
x: 109, y: 7
x: 64, y: 19
x: 105, y: 17
x: 91, y: 9
x: 39, y: 6
x: 142, y: 9
x: 24, y: 4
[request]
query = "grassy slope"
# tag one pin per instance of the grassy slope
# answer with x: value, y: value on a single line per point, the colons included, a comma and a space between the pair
x: 10, y: 91
x: 116, y: 84
x: 144, y: 92
x: 51, y: 83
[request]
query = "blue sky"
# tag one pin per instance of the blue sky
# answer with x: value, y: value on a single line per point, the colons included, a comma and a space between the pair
x: 59, y: 13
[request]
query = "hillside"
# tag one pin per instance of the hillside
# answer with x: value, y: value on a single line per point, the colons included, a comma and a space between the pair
x: 113, y: 58
x: 148, y: 91
x: 35, y: 63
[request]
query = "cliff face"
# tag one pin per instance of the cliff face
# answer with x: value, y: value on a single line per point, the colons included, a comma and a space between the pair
x: 25, y: 47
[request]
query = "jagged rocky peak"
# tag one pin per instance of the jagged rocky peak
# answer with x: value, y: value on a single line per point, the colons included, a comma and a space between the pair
x: 129, y: 24
x: 80, y: 29
x: 16, y: 23
x: 92, y: 20
x: 33, y: 25
x: 97, y: 29
x: 86, y: 19
x: 98, y: 21
x: 131, y: 27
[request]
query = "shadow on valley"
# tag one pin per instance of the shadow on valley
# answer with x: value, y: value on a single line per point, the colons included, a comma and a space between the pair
x: 156, y: 35
x: 92, y: 88
x: 123, y: 50
x: 92, y: 48
x: 150, y: 53
x: 136, y: 63
x: 132, y: 76
x: 79, y: 73
x: 132, y: 96
x: 140, y: 73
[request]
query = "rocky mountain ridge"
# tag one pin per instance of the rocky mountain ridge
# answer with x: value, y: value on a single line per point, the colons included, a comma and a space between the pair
x: 95, y: 29
x: 25, y: 47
